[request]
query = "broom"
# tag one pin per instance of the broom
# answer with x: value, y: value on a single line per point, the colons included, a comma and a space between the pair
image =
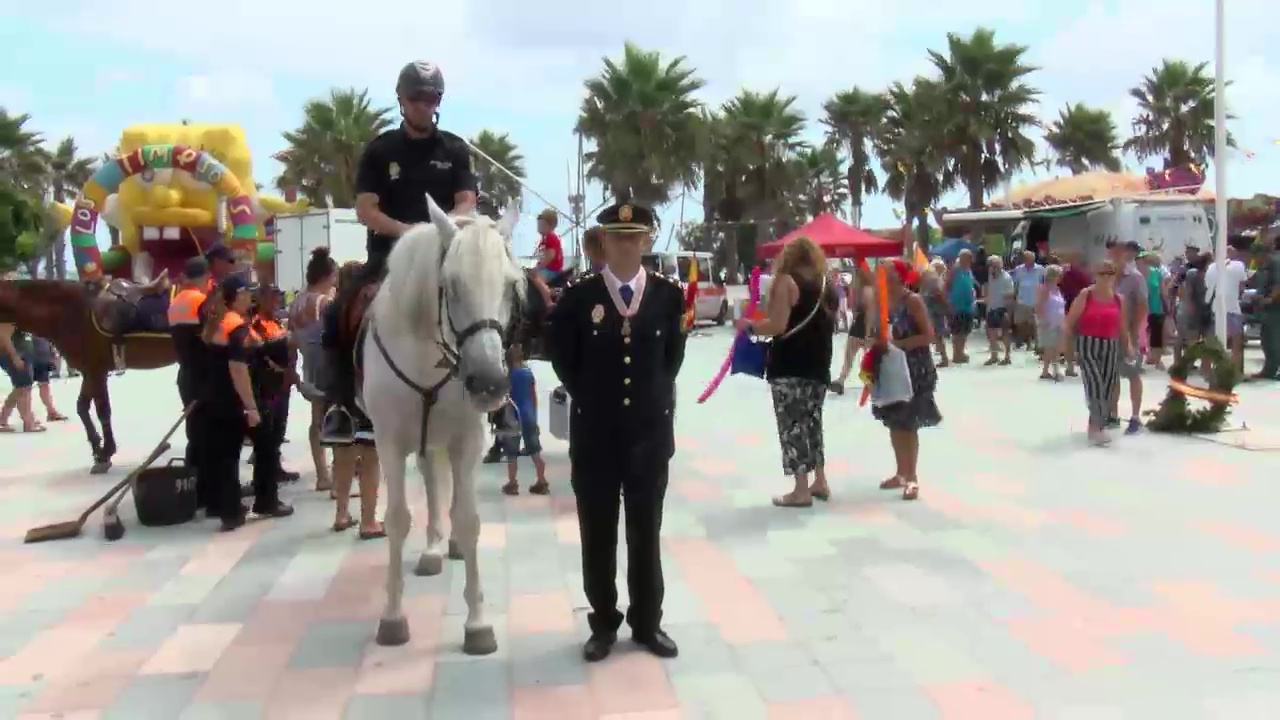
x: 73, y: 528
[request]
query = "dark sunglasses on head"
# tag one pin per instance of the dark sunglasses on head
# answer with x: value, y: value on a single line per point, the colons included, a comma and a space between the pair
x: 1106, y: 273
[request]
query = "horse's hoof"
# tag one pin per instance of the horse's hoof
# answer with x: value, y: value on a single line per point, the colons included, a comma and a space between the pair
x: 480, y: 641
x: 112, y: 526
x: 429, y: 565
x: 393, y: 632
x: 455, y: 551
x: 100, y: 467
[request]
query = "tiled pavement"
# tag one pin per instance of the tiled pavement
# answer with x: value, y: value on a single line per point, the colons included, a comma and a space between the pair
x: 1035, y: 578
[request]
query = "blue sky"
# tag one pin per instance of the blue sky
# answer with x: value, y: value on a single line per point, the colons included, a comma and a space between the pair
x: 94, y: 67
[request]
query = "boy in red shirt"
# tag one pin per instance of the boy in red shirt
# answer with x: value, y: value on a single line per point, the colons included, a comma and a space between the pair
x: 550, y: 252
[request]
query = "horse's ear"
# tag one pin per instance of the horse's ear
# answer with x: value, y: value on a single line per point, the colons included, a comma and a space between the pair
x: 441, y: 220
x: 510, y: 216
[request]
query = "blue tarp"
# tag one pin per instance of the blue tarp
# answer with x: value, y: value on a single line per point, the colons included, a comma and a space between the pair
x: 948, y: 249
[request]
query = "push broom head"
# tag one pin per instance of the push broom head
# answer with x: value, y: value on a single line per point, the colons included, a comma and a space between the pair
x: 56, y: 531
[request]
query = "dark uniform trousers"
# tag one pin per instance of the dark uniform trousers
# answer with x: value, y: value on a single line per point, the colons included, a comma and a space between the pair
x: 266, y: 439
x: 195, y: 430
x: 621, y: 376
x: 220, y: 465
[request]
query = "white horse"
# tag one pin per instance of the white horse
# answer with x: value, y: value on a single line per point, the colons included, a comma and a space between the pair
x: 433, y: 366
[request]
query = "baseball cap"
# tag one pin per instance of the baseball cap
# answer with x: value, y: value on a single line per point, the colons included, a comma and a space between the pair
x: 195, y: 268
x: 219, y: 252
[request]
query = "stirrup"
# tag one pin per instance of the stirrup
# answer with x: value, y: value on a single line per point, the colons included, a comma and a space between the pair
x: 118, y: 358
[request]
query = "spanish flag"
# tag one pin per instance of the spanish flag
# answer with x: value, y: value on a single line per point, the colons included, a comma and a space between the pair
x: 690, y: 296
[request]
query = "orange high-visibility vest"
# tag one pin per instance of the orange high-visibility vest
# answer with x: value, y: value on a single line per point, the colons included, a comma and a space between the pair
x: 230, y: 322
x: 184, y: 308
x: 268, y: 328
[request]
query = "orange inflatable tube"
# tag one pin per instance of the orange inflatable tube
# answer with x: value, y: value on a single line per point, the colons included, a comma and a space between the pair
x: 1200, y: 393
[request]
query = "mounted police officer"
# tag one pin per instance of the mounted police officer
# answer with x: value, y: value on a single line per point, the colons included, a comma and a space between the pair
x: 616, y: 342
x: 398, y: 169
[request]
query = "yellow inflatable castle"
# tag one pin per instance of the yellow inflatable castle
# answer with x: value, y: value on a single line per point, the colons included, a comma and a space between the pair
x: 173, y: 192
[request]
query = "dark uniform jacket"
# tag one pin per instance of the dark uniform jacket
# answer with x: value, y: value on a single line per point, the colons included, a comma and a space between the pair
x: 622, y: 386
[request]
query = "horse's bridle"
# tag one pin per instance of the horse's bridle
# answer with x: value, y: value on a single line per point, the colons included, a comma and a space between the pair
x: 449, y: 362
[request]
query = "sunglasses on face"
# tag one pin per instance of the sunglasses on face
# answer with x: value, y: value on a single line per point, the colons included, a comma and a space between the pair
x: 1106, y: 273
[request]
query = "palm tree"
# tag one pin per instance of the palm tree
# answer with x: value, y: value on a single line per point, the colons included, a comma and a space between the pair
x: 67, y: 173
x: 1084, y: 138
x: 823, y: 184
x: 1175, y: 115
x: 22, y: 153
x: 853, y: 118
x: 763, y: 139
x: 323, y: 152
x: 909, y: 144
x: 989, y: 110
x: 643, y: 118
x: 501, y: 187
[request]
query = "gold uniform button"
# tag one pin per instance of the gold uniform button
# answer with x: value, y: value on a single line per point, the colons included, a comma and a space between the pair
x: 626, y: 401
x: 626, y: 341
x: 626, y: 381
x: 627, y: 359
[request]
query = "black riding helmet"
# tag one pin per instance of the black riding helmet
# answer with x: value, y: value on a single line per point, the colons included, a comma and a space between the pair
x: 420, y: 80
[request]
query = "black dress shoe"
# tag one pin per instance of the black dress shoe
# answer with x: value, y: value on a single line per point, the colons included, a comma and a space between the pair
x: 657, y: 642
x: 232, y: 523
x: 598, y: 646
x: 279, y: 510
x: 289, y: 476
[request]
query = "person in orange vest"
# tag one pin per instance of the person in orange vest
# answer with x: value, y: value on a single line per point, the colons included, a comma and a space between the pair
x: 185, y: 323
x: 277, y: 363
x: 233, y: 401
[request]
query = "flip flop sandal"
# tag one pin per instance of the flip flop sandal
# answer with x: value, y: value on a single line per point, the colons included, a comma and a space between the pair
x: 344, y: 525
x: 381, y: 532
x: 787, y: 501
x: 541, y: 488
x: 6, y: 428
x: 37, y: 428
x: 823, y: 495
x: 56, y: 417
x: 892, y: 483
x: 511, y: 489
x: 911, y: 490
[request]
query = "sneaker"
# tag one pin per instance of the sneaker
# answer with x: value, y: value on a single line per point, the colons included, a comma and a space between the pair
x: 337, y: 428
x: 1134, y: 426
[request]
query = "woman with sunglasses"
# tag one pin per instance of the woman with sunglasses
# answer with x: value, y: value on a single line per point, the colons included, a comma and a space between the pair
x: 1101, y: 341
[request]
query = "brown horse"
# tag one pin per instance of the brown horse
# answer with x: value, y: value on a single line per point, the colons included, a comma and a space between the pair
x: 78, y: 320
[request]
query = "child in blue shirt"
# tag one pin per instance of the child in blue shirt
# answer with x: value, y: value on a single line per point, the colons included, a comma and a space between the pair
x: 524, y: 395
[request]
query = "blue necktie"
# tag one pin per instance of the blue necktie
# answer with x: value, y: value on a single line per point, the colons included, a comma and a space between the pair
x: 627, y: 293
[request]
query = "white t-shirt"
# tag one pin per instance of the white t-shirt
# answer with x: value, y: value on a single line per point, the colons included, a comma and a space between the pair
x: 1237, y: 274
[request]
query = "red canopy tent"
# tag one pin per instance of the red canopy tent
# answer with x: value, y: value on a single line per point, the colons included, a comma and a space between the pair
x: 837, y: 239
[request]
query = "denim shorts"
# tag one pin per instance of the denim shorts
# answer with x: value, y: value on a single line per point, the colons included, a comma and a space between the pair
x: 509, y: 445
x: 23, y: 378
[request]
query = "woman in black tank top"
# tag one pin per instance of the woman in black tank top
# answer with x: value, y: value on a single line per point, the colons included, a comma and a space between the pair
x: 801, y: 319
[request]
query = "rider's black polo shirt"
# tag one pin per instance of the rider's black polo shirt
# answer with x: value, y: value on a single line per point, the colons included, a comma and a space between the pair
x: 402, y: 171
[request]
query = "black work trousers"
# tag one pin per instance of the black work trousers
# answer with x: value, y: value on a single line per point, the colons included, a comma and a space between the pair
x: 267, y: 438
x: 600, y: 494
x: 224, y: 430
x: 188, y: 392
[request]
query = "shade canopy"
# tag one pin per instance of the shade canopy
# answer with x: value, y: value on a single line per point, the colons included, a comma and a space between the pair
x: 837, y: 239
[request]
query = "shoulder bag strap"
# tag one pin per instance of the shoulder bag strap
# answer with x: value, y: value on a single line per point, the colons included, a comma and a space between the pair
x: 821, y: 293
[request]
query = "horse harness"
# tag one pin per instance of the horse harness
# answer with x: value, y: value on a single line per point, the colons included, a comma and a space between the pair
x: 449, y: 361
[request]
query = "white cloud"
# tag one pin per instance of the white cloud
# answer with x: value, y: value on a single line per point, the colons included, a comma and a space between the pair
x: 223, y: 91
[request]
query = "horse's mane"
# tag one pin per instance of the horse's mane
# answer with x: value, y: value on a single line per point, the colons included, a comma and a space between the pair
x: 408, y: 301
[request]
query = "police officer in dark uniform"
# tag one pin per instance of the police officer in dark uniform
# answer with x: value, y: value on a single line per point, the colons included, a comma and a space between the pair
x: 617, y: 342
x: 398, y: 169
x: 185, y: 324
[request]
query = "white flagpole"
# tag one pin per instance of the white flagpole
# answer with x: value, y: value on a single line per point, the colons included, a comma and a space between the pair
x: 1219, y: 172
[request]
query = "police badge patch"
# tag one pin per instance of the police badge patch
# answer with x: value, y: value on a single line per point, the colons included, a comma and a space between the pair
x: 624, y: 213
x: 597, y: 314
x: 393, y: 170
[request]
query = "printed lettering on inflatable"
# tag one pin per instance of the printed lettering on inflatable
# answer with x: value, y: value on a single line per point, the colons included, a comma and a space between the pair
x: 173, y: 192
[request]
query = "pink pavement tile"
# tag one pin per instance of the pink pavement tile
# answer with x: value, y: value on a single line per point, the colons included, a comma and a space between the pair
x: 823, y: 708
x: 732, y: 603
x: 670, y: 714
x: 1200, y: 617
x: 72, y: 715
x: 1092, y: 523
x: 320, y: 694
x: 493, y: 535
x: 1046, y: 589
x: 246, y: 672
x: 869, y: 514
x: 92, y: 682
x: 552, y: 702
x: 277, y: 621
x: 357, y: 591
x: 711, y: 466
x: 749, y: 439
x: 978, y: 701
x: 49, y: 650
x: 1010, y: 515
x: 1238, y: 535
x: 697, y: 490
x: 630, y: 683
x: 547, y: 612
x: 192, y: 648
x: 17, y: 585
x: 109, y: 607
x: 1210, y: 473
x: 1001, y: 485
x: 950, y: 505
x: 1073, y: 648
x: 1211, y: 638
x: 567, y: 531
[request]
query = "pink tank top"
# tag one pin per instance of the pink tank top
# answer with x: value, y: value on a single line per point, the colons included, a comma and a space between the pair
x: 1099, y: 319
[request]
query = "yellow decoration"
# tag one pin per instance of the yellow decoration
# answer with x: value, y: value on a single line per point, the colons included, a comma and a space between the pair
x: 95, y: 193
x: 61, y: 214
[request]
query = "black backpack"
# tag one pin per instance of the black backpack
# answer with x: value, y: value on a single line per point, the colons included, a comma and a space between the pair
x: 1198, y: 296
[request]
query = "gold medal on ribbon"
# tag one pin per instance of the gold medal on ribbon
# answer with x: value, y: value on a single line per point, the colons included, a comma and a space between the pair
x: 597, y: 314
x: 626, y: 327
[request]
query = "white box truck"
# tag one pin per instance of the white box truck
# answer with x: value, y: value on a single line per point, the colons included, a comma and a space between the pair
x: 298, y: 234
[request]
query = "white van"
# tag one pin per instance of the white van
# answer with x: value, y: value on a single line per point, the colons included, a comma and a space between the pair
x: 1165, y: 226
x: 712, y: 302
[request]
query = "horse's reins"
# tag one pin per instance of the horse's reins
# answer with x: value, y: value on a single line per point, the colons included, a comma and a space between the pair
x: 449, y: 362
